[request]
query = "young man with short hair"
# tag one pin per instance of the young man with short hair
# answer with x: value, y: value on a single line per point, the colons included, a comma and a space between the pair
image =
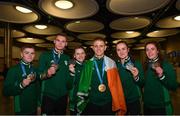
x: 22, y: 83
x: 100, y: 91
x: 53, y: 66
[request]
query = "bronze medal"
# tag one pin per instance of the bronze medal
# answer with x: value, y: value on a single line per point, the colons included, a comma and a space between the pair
x: 31, y: 77
x: 155, y: 65
x: 102, y: 88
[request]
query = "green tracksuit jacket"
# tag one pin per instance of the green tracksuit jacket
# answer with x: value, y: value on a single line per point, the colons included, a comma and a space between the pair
x: 156, y: 90
x: 131, y: 86
x: 25, y: 99
x: 55, y: 86
x: 96, y: 97
x: 75, y: 84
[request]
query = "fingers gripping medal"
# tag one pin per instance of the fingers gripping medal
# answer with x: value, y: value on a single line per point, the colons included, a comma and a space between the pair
x: 31, y: 76
x: 55, y: 66
x: 155, y: 63
x: 128, y: 64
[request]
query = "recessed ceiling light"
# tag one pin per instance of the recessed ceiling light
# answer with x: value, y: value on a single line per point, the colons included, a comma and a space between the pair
x: 29, y: 38
x: 136, y: 17
x: 64, y: 4
x: 77, y: 22
x: 84, y: 47
x: 116, y: 41
x: 41, y: 26
x: 177, y: 18
x: 129, y: 32
x: 156, y: 31
x: 23, y: 10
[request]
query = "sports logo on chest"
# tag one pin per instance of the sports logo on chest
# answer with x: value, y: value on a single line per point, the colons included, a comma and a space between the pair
x: 66, y: 62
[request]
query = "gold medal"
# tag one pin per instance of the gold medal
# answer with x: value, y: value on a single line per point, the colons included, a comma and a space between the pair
x: 31, y: 77
x: 102, y: 88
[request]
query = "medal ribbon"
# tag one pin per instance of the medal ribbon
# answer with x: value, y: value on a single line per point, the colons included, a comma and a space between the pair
x: 98, y: 73
x: 153, y: 61
x: 24, y: 71
x: 55, y: 58
x: 127, y: 62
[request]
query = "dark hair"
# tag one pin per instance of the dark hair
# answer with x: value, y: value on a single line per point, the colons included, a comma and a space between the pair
x: 27, y: 46
x: 124, y: 42
x: 61, y: 34
x: 78, y: 47
x: 160, y: 60
x: 156, y: 44
x: 99, y: 39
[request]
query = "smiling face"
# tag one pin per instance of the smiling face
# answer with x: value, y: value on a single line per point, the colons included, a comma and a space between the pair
x: 60, y: 43
x: 28, y: 54
x: 79, y: 54
x: 99, y: 48
x: 151, y: 51
x: 122, y: 50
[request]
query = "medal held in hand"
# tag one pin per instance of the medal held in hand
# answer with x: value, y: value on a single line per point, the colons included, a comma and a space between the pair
x: 72, y: 61
x: 128, y: 64
x: 102, y: 88
x: 31, y: 76
x: 154, y: 63
x: 54, y: 64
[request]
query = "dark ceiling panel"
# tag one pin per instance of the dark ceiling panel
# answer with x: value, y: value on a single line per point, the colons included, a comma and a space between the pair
x: 104, y: 16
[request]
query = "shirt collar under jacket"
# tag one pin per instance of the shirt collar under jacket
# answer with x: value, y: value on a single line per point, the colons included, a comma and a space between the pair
x: 78, y: 62
x: 154, y: 60
x: 98, y: 59
x: 25, y: 63
x: 125, y: 61
x: 54, y: 51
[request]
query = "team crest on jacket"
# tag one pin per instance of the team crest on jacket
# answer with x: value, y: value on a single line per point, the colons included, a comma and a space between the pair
x: 52, y: 61
x: 66, y: 62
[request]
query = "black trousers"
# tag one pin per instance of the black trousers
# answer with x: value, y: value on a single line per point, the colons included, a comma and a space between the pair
x: 20, y: 113
x: 54, y: 107
x: 133, y: 108
x: 154, y: 111
x: 92, y: 109
x: 73, y: 112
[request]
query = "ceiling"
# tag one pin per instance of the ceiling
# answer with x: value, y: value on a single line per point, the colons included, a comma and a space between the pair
x: 135, y: 21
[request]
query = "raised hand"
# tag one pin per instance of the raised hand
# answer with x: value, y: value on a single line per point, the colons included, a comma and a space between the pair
x: 134, y: 72
x: 26, y: 82
x: 72, y: 68
x: 52, y: 70
x: 159, y: 71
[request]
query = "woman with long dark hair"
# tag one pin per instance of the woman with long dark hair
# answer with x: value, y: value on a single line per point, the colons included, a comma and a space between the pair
x: 160, y: 77
x: 132, y: 76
